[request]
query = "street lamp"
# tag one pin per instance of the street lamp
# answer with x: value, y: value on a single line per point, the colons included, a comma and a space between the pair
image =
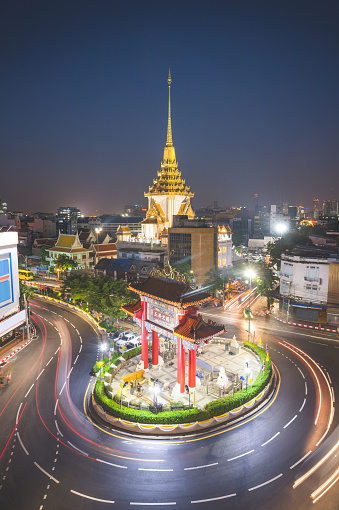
x: 103, y: 348
x: 155, y: 391
x: 97, y: 230
x: 247, y: 373
x: 251, y: 275
x: 281, y: 227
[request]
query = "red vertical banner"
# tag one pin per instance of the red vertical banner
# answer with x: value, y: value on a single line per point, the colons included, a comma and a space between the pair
x: 155, y: 348
x: 192, y: 360
x: 144, y: 343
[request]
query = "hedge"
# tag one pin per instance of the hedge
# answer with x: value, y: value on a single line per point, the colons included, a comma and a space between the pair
x: 215, y: 408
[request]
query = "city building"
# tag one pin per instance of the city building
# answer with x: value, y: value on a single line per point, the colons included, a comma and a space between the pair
x: 110, y: 224
x: 11, y: 317
x: 309, y: 284
x: 193, y: 244
x: 70, y: 246
x: 169, y: 195
x: 224, y: 247
x: 67, y: 220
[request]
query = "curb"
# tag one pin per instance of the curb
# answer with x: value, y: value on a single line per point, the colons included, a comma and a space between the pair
x: 196, y: 428
x: 6, y: 358
x: 305, y: 325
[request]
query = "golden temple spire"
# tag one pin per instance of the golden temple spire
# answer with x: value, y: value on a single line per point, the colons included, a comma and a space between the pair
x: 169, y: 141
x: 169, y: 151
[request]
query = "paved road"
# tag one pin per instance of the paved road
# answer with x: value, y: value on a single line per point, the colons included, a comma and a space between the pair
x: 53, y: 456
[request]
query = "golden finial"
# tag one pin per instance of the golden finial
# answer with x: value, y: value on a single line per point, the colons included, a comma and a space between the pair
x: 169, y: 141
x: 169, y: 79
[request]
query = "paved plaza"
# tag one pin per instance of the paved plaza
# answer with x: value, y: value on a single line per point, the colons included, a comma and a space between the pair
x: 219, y: 371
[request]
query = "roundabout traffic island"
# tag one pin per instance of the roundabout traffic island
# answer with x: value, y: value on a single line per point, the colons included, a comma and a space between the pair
x: 130, y: 402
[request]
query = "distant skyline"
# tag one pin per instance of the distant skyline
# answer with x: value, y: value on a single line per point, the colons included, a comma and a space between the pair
x: 84, y: 101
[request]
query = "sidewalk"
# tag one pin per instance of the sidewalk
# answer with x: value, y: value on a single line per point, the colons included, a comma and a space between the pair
x: 12, y: 348
x: 327, y: 327
x: 211, y: 382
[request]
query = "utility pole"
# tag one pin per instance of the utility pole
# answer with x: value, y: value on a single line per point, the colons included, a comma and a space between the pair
x: 289, y: 300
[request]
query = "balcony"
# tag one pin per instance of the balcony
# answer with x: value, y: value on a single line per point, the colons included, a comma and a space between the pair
x: 313, y: 279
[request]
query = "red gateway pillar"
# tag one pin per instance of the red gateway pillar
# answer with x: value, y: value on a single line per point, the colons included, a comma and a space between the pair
x: 181, y: 366
x: 144, y: 343
x: 155, y: 348
x: 192, y: 367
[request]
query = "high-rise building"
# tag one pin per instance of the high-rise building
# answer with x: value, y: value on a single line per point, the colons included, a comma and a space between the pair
x: 67, y: 220
x: 169, y: 195
x: 193, y: 244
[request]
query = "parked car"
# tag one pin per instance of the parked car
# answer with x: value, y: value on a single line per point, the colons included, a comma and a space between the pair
x: 120, y: 342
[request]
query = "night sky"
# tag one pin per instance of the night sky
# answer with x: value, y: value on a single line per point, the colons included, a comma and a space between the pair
x: 84, y: 101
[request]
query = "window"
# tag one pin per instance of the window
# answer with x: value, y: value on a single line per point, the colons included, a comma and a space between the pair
x: 6, y: 294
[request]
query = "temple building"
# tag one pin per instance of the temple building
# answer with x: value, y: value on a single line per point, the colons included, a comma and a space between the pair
x: 169, y: 195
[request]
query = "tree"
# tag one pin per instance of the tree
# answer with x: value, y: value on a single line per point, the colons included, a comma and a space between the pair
x: 103, y: 294
x: 288, y: 242
x: 266, y: 282
x: 43, y: 256
x: 63, y: 263
x: 27, y: 291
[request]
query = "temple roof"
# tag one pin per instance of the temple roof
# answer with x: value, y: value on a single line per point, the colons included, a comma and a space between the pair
x: 132, y: 308
x: 170, y: 291
x: 196, y: 329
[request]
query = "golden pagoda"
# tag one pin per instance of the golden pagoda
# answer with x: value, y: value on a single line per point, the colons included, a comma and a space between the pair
x: 169, y: 194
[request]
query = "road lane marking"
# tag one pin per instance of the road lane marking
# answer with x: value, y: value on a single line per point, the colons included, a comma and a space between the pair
x: 56, y: 350
x: 305, y: 388
x: 55, y: 408
x: 301, y: 372
x: 47, y: 474
x: 303, y: 458
x: 17, y: 414
x: 111, y: 464
x: 62, y: 388
x: 80, y: 348
x: 150, y: 469
x: 69, y: 373
x: 242, y: 455
x: 289, y: 423
x: 75, y: 448
x: 57, y: 427
x: 91, y: 497
x: 29, y: 390
x: 265, y: 483
x: 213, y: 499
x: 22, y: 445
x: 49, y: 361
x: 277, y: 434
x: 40, y: 374
x: 318, y: 343
x: 153, y: 504
x: 76, y: 359
x: 201, y: 467
x: 302, y: 407
x: 77, y: 331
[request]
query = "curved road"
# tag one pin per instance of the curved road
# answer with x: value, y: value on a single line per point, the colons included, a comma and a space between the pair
x: 53, y: 456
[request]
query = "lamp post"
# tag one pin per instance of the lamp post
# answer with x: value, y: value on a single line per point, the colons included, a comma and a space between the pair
x: 189, y: 397
x: 103, y: 348
x: 155, y: 392
x: 251, y: 275
x: 247, y: 373
x: 97, y: 230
